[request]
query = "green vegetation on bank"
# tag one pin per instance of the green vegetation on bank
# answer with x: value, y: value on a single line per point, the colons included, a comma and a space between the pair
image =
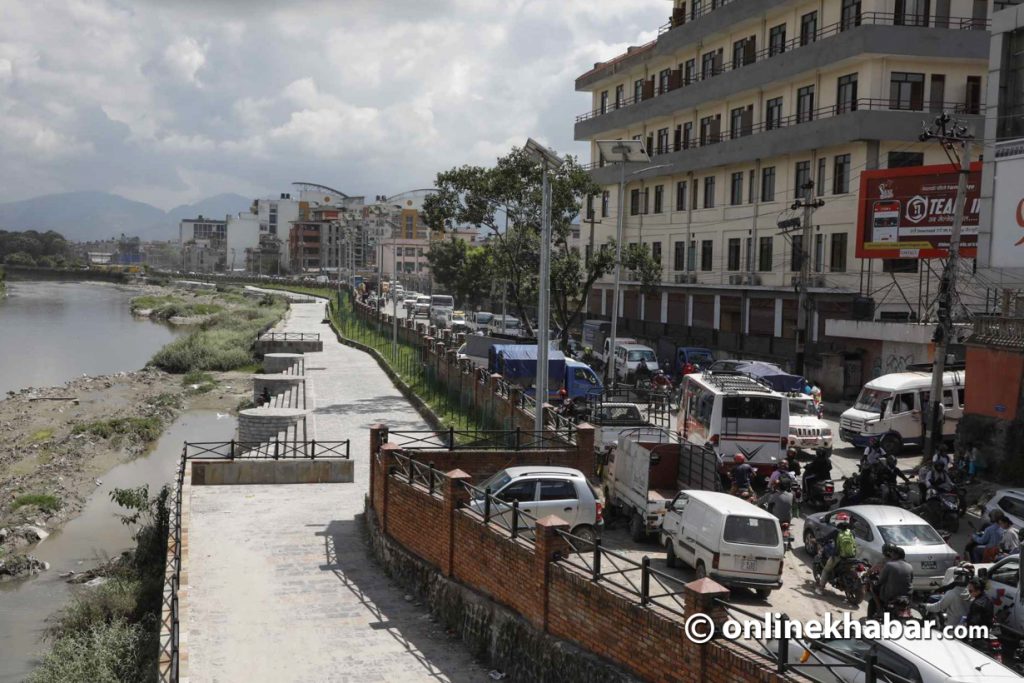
x: 169, y: 306
x: 112, y: 633
x: 32, y: 248
x: 46, y: 502
x: 141, y: 429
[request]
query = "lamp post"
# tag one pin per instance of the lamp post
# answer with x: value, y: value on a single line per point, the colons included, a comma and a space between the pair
x: 619, y: 152
x: 549, y: 161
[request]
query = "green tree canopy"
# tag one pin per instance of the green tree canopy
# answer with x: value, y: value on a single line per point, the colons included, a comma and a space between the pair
x: 462, y: 269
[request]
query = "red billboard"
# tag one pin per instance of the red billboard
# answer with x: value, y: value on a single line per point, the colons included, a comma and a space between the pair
x: 908, y: 212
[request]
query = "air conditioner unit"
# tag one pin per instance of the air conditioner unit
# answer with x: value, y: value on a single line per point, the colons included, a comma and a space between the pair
x: 735, y: 279
x: 753, y: 280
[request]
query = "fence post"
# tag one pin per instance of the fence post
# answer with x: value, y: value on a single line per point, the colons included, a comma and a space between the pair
x: 596, y: 576
x: 549, y: 546
x: 870, y: 660
x: 412, y: 469
x: 430, y: 477
x: 782, y: 656
x: 645, y: 580
x: 456, y: 495
x: 451, y: 438
x: 232, y: 449
x: 515, y: 519
x: 516, y: 447
x: 487, y: 505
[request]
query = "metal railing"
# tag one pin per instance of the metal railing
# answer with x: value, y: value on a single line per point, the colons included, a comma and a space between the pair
x: 779, y: 655
x: 650, y: 587
x: 267, y: 450
x: 803, y: 40
x: 172, y: 581
x: 505, y: 516
x: 559, y: 422
x: 290, y: 336
x: 999, y: 331
x: 504, y: 387
x: 414, y: 472
x: 481, y: 439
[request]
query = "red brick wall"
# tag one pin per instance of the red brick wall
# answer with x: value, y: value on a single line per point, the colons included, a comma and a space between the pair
x: 416, y: 520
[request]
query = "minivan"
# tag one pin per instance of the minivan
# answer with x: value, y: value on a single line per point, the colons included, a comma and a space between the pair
x: 441, y: 306
x: 725, y: 538
x: 893, y: 408
x: 630, y: 357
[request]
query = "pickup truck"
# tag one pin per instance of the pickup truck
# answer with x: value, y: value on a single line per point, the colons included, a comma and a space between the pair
x: 640, y: 478
x: 614, y: 419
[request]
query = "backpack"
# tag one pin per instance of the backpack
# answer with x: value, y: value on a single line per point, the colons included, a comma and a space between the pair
x: 846, y: 545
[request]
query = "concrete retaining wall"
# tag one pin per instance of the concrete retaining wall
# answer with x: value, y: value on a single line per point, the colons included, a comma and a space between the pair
x: 290, y: 363
x: 264, y: 346
x: 272, y: 472
x: 264, y: 424
x: 277, y: 384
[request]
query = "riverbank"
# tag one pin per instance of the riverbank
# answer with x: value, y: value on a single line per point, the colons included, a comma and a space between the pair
x: 55, y: 442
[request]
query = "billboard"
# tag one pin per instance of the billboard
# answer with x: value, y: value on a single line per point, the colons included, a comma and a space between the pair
x: 1008, y: 214
x: 908, y: 212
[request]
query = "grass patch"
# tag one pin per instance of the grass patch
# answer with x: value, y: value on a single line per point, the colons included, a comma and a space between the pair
x: 46, y: 502
x: 167, y: 400
x: 144, y: 429
x: 41, y: 435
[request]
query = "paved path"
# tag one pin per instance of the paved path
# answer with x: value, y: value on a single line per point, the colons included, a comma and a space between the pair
x: 282, y: 585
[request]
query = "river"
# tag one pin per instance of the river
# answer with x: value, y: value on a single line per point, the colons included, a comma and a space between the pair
x: 51, y: 332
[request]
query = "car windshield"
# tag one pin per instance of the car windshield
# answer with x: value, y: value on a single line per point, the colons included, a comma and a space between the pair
x: 442, y: 301
x: 644, y: 355
x: 799, y: 406
x: 751, y: 530
x: 870, y: 400
x: 910, y: 534
x: 495, y: 482
x: 699, y: 357
x: 483, y: 318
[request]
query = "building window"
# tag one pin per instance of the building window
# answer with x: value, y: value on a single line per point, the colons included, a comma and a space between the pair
x: 937, y: 94
x: 647, y: 200
x: 1011, y: 86
x: 776, y: 40
x: 679, y: 258
x: 741, y: 121
x: 634, y: 202
x: 590, y: 207
x: 841, y: 174
x: 663, y: 77
x: 764, y: 255
x: 736, y: 188
x: 808, y: 28
x: 751, y: 184
x: 850, y: 15
x: 805, y: 104
x: 819, y: 252
x: 620, y: 94
x: 706, y: 253
x: 677, y: 142
x: 638, y: 90
x: 604, y: 102
x: 768, y: 184
x: 837, y: 256
x: 662, y: 140
x: 846, y: 94
x: 733, y: 255
x: 681, y: 195
x: 822, y: 162
x: 687, y: 134
x: 906, y: 91
x: 796, y: 254
x: 709, y: 192
x: 659, y: 197
x: 604, y: 203
x: 656, y: 252
x: 710, y: 129
x: 802, y: 177
x: 691, y: 256
x: 972, y: 101
x: 905, y: 159
x: 773, y: 113
x: 711, y: 64
x: 911, y: 13
x: 744, y: 52
x: 690, y: 71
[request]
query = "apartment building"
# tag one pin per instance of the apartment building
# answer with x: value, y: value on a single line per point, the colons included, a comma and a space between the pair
x: 741, y: 105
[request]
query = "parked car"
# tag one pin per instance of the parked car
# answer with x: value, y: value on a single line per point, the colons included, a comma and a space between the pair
x: 543, y: 491
x: 1010, y: 502
x: 726, y: 538
x: 931, y: 660
x: 876, y: 525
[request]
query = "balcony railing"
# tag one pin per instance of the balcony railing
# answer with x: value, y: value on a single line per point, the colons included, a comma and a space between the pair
x: 769, y: 51
x: 863, y: 104
x: 705, y: 9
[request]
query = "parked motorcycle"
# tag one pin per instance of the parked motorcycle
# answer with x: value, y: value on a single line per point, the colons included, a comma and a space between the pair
x: 846, y: 578
x: 819, y: 493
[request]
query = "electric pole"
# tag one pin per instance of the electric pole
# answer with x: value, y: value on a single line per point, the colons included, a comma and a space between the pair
x: 950, y: 135
x: 803, y: 313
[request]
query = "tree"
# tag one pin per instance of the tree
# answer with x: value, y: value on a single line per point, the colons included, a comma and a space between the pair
x: 19, y: 258
x: 461, y: 269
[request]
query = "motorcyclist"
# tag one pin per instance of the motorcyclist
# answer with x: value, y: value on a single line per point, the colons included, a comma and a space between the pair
x: 895, y: 580
x: 938, y: 478
x: 792, y: 464
x: 818, y: 469
x: 981, y: 611
x: 844, y: 543
x: 661, y: 381
x: 780, y: 503
x: 779, y: 474
x: 741, y: 475
x: 872, y: 453
x: 994, y: 515
x: 956, y: 599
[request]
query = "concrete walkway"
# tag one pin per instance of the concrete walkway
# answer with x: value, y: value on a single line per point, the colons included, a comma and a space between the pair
x: 282, y: 587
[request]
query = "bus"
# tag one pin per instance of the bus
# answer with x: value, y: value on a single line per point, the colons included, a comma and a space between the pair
x: 733, y: 413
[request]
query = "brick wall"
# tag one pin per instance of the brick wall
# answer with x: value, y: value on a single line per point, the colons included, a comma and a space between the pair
x: 410, y: 512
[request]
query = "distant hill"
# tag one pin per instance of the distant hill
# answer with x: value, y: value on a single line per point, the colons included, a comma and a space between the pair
x: 85, y: 216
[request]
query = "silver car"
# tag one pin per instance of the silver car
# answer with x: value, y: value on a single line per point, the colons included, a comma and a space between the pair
x: 876, y: 525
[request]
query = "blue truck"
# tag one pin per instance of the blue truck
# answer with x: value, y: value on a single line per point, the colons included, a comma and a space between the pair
x: 517, y: 363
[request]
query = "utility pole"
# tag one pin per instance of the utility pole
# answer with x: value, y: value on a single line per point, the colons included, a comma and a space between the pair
x: 950, y: 135
x: 803, y: 313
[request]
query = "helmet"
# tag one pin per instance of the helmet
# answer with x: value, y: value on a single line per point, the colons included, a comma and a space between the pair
x: 786, y: 485
x: 739, y: 458
x: 977, y: 584
x: 963, y: 573
x: 873, y: 441
x: 563, y: 393
x: 781, y: 465
x: 842, y: 518
x: 889, y: 549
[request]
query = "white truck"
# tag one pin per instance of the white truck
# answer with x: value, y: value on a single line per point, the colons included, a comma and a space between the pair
x: 640, y: 478
x: 807, y: 431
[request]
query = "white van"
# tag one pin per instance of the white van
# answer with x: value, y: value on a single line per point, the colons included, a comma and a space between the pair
x: 733, y: 413
x: 725, y: 538
x: 893, y: 408
x: 630, y: 356
x: 441, y: 307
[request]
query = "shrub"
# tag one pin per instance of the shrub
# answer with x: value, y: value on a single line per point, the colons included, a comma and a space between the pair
x: 144, y: 429
x: 103, y: 652
x: 46, y: 502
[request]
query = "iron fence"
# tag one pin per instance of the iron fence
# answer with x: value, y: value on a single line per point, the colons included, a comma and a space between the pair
x: 505, y: 516
x: 267, y: 450
x: 169, y: 647
x: 290, y: 336
x: 415, y: 472
x: 482, y: 439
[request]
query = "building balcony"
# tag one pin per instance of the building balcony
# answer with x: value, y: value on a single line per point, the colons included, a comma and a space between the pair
x: 873, y: 33
x: 857, y: 120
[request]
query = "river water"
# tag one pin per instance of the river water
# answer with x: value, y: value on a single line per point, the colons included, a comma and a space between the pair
x: 51, y: 332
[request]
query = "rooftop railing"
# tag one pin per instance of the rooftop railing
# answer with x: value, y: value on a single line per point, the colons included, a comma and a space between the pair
x: 267, y: 450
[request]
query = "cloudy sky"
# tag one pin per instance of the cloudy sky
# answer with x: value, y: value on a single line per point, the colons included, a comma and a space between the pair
x: 170, y: 101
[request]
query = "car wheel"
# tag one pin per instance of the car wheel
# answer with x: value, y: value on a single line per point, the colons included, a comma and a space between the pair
x: 764, y: 593
x: 891, y: 444
x: 636, y: 528
x: 810, y: 543
x: 587, y: 535
x: 670, y: 554
x: 700, y: 570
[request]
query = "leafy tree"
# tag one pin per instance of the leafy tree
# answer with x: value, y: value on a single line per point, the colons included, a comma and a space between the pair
x: 19, y: 258
x: 462, y: 269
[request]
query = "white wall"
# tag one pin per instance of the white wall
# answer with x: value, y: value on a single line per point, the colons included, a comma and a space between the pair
x: 243, y: 233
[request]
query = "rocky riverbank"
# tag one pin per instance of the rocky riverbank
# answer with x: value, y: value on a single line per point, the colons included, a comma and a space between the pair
x: 56, y: 442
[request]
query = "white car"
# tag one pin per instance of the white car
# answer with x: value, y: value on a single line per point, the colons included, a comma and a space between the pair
x: 935, y: 660
x: 807, y: 431
x: 1010, y: 502
x: 421, y: 307
x: 876, y: 525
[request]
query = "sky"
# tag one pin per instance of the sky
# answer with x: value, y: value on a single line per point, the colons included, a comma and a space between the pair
x: 171, y: 101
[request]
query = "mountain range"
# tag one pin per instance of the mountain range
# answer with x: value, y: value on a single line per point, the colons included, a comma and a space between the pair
x: 88, y: 216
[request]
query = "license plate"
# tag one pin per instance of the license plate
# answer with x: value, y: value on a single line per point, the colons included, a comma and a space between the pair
x: 748, y: 565
x: 928, y: 564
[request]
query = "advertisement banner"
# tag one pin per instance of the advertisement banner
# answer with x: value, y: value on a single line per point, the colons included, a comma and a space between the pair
x: 1008, y: 214
x: 908, y: 212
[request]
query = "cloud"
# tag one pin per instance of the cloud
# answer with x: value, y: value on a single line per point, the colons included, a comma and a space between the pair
x: 177, y: 101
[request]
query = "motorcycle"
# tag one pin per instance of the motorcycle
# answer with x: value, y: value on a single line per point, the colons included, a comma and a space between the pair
x: 897, y: 608
x: 941, y: 510
x: 820, y: 493
x: 846, y: 577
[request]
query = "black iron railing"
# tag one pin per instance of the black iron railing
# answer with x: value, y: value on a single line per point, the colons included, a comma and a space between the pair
x: 170, y: 633
x: 415, y: 472
x: 496, y: 513
x: 290, y: 336
x: 267, y: 450
x: 482, y: 440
